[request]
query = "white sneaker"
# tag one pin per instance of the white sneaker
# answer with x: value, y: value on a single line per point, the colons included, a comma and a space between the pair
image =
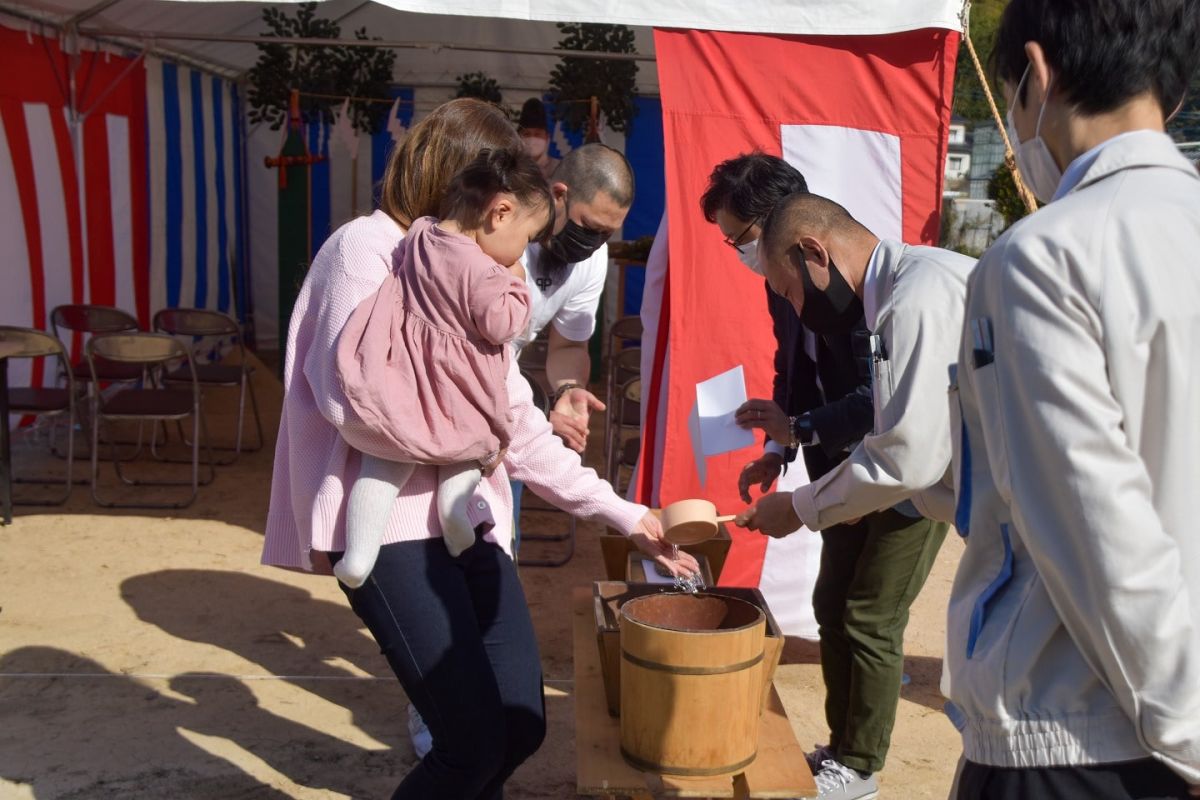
x: 836, y: 781
x: 422, y: 739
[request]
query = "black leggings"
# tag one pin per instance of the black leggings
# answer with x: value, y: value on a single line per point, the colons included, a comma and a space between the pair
x: 458, y: 635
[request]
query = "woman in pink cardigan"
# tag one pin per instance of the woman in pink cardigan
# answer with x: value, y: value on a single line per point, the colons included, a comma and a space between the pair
x: 456, y: 632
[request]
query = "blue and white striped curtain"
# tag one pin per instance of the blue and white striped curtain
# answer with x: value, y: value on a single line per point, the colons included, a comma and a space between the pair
x: 194, y: 143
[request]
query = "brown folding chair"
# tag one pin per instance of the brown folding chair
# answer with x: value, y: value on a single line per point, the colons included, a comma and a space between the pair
x: 624, y: 337
x: 92, y: 320
x: 627, y: 412
x: 201, y: 324
x: 42, y: 402
x: 153, y: 354
x: 622, y: 412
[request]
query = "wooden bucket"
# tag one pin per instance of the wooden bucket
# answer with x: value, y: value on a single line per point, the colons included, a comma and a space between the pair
x: 691, y: 683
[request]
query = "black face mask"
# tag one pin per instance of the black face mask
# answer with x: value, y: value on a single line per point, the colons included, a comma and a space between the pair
x: 574, y: 243
x: 835, y: 310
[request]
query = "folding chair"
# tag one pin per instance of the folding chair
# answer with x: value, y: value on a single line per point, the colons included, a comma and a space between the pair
x: 201, y: 324
x: 621, y: 367
x: 153, y: 354
x: 624, y: 411
x: 42, y: 402
x: 542, y: 401
x: 627, y: 413
x: 92, y: 320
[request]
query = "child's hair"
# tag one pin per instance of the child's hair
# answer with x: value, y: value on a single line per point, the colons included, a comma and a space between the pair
x: 472, y: 190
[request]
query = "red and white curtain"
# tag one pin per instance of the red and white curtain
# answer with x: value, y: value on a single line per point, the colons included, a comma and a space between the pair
x: 865, y: 119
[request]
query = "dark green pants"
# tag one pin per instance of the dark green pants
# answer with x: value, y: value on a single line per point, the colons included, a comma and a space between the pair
x: 870, y: 574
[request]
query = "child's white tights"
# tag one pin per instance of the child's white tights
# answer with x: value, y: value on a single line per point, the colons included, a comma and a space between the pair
x: 371, y: 500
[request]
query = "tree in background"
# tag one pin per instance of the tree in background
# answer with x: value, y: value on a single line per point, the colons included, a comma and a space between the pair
x: 335, y: 71
x: 969, y: 98
x: 479, y: 86
x: 1003, y: 190
x: 575, y: 81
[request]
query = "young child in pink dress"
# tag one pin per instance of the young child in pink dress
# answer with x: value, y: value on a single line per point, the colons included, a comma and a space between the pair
x: 434, y: 341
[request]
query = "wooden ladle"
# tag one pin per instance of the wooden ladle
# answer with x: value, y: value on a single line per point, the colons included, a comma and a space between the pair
x: 691, y: 521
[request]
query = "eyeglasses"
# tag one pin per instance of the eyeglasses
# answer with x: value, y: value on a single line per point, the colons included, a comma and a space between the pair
x: 736, y: 242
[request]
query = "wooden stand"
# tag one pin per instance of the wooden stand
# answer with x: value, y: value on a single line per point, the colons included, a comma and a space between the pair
x: 780, y: 770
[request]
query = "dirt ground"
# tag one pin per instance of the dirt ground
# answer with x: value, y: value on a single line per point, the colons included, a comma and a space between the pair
x: 148, y: 655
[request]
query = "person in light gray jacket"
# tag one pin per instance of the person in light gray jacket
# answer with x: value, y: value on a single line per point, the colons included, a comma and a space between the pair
x: 1074, y: 622
x: 832, y: 268
x: 836, y: 273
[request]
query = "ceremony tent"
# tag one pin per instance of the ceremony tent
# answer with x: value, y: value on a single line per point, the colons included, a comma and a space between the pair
x: 130, y: 174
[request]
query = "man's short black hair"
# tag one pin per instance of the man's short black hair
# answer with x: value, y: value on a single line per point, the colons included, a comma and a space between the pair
x: 1104, y: 52
x: 596, y: 168
x: 749, y: 186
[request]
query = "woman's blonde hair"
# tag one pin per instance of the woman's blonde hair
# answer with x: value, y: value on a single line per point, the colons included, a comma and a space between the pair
x: 420, y: 170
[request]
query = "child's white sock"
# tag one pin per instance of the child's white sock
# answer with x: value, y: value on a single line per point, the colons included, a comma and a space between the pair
x: 456, y: 485
x: 371, y: 500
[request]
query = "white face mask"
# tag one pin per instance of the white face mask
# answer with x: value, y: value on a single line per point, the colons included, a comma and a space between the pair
x: 1038, y: 167
x: 535, y: 146
x: 748, y: 255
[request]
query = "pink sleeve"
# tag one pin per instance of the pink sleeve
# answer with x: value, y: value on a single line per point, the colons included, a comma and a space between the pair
x: 500, y: 305
x: 553, y: 471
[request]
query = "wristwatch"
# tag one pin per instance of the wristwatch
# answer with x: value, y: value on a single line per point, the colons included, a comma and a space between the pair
x: 801, y: 428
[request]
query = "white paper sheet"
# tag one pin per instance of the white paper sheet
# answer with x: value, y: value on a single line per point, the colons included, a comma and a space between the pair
x: 717, y: 400
x: 697, y: 448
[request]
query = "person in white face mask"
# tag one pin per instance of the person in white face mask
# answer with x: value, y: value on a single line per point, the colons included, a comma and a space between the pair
x: 821, y: 406
x: 1073, y: 657
x: 534, y: 129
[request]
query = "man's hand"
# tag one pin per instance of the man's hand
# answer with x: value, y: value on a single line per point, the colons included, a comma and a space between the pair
x: 762, y: 471
x: 517, y: 270
x: 773, y: 515
x: 571, y: 415
x: 768, y: 416
x: 648, y: 536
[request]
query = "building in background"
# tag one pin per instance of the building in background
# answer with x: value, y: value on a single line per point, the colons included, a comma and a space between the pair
x: 987, y: 154
x: 958, y: 157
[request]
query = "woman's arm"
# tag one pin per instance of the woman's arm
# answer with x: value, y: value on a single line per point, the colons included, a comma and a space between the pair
x: 555, y: 473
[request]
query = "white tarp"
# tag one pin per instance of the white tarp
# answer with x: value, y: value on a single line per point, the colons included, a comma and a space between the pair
x: 817, y: 17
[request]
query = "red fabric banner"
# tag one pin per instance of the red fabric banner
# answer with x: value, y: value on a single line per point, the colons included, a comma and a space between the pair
x: 868, y: 113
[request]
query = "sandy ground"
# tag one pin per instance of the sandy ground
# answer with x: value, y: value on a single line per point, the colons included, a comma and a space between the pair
x: 148, y: 655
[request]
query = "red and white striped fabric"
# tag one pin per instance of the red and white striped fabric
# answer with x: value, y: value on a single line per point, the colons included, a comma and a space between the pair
x: 138, y: 205
x: 866, y: 119
x: 72, y: 208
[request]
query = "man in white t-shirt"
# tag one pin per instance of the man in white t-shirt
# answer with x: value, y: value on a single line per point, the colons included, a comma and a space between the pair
x: 593, y: 190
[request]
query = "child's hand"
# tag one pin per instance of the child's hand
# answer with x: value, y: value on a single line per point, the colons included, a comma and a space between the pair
x: 517, y: 270
x: 487, y: 467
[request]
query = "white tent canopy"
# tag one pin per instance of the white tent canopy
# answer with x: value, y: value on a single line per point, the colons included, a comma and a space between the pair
x: 521, y: 25
x: 512, y: 41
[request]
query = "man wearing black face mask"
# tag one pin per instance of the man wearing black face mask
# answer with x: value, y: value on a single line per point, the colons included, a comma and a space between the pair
x: 593, y: 190
x: 834, y: 272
